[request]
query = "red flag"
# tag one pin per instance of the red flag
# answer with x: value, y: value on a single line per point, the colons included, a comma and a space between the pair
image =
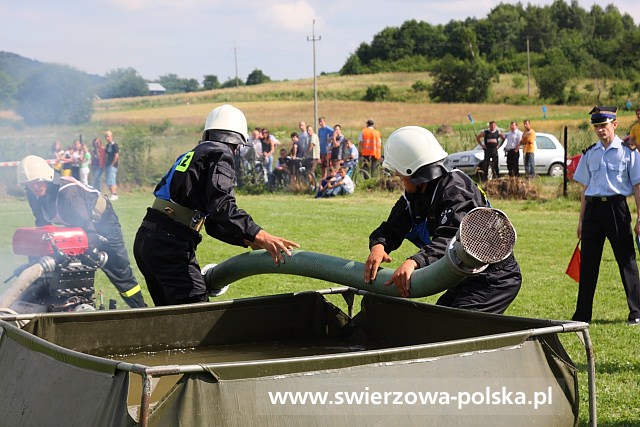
x: 573, y: 269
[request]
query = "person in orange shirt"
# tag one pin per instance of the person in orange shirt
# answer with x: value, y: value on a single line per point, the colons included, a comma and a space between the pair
x: 528, y: 144
x: 371, y: 146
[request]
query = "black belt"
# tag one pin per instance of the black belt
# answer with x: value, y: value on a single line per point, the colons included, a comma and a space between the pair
x: 605, y: 199
x: 156, y: 220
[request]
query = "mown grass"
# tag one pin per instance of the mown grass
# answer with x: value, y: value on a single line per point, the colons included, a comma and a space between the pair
x: 546, y: 226
x: 340, y: 227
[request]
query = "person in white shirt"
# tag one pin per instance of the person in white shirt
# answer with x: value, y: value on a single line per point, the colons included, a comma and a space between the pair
x: 340, y: 184
x: 512, y: 149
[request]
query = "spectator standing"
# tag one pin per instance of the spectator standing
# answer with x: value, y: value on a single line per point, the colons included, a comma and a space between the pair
x: 609, y: 171
x: 634, y: 132
x: 371, y: 146
x: 337, y: 146
x: 112, y: 160
x: 313, y: 152
x: 304, y: 138
x: 489, y: 140
x: 325, y: 137
x: 67, y: 161
x: 429, y: 213
x: 85, y: 165
x: 98, y: 158
x: 58, y: 155
x: 528, y: 143
x: 197, y: 192
x: 512, y: 149
x: 76, y: 159
x: 268, y: 144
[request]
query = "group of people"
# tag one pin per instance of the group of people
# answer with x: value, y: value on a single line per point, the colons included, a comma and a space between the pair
x: 81, y: 162
x: 197, y: 193
x: 491, y: 138
x: 328, y: 148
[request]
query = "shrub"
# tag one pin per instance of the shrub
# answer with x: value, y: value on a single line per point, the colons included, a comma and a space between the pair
x: 377, y: 93
x: 420, y: 86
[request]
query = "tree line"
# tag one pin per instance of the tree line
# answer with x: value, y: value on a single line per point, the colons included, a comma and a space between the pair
x: 57, y: 94
x: 557, y: 42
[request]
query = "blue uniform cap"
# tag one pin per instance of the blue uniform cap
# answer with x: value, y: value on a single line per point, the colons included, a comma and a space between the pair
x: 601, y: 115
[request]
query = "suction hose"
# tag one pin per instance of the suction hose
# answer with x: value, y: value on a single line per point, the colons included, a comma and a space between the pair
x: 486, y: 236
x: 25, y: 278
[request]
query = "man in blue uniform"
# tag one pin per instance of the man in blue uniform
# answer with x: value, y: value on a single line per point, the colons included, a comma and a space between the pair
x: 609, y: 170
x: 198, y: 192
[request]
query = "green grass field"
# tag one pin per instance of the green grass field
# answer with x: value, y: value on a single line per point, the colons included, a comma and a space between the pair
x: 340, y: 227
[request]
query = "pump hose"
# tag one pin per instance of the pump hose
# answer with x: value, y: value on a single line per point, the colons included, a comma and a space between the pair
x: 26, y: 278
x: 426, y: 281
x: 485, y: 236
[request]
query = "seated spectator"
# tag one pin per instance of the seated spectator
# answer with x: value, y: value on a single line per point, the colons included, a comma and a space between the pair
x: 339, y: 184
x: 282, y: 164
x: 322, y: 188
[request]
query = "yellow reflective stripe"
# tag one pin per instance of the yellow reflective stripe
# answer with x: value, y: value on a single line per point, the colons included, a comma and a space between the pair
x: 131, y: 291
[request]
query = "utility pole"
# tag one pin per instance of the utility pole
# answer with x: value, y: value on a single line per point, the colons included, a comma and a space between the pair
x: 528, y: 71
x: 315, y: 85
x: 235, y: 58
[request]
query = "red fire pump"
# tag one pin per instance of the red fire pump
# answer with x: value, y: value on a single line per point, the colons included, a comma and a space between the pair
x: 59, y: 275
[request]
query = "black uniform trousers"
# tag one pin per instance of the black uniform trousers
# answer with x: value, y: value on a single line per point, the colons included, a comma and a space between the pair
x: 491, y: 160
x: 118, y: 268
x: 490, y: 292
x: 609, y: 219
x: 165, y: 251
x: 513, y: 158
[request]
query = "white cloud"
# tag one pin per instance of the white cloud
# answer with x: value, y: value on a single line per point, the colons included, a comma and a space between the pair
x: 165, y: 5
x: 290, y: 16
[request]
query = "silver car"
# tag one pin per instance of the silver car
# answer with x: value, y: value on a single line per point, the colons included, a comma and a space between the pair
x: 549, y: 158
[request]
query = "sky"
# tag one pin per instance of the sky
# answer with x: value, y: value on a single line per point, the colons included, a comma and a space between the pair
x: 193, y: 38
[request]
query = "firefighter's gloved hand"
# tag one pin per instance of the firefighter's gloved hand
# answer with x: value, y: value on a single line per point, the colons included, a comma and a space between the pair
x: 213, y: 290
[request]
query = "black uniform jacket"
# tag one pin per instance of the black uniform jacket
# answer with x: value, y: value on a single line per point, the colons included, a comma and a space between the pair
x: 446, y: 201
x: 205, y: 183
x: 67, y: 202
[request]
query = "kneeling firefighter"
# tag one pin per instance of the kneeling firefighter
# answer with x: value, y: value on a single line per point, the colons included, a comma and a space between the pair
x: 198, y: 192
x: 63, y: 200
x: 429, y: 214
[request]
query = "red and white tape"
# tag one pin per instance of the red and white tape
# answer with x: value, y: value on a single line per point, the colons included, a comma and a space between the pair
x: 16, y: 163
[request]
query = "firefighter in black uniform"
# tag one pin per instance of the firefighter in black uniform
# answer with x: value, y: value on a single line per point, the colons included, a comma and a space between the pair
x: 198, y: 191
x: 429, y: 214
x: 55, y: 199
x: 489, y: 139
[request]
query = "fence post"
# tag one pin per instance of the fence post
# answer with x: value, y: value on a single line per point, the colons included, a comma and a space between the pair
x: 564, y: 175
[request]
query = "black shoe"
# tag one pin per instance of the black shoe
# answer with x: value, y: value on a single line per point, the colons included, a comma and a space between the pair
x: 578, y: 318
x: 633, y: 322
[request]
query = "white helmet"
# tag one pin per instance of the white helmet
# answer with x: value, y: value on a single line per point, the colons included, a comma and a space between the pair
x: 411, y: 147
x: 225, y: 118
x: 34, y: 168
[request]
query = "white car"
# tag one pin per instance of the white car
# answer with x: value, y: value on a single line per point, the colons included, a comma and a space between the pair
x: 548, y: 157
